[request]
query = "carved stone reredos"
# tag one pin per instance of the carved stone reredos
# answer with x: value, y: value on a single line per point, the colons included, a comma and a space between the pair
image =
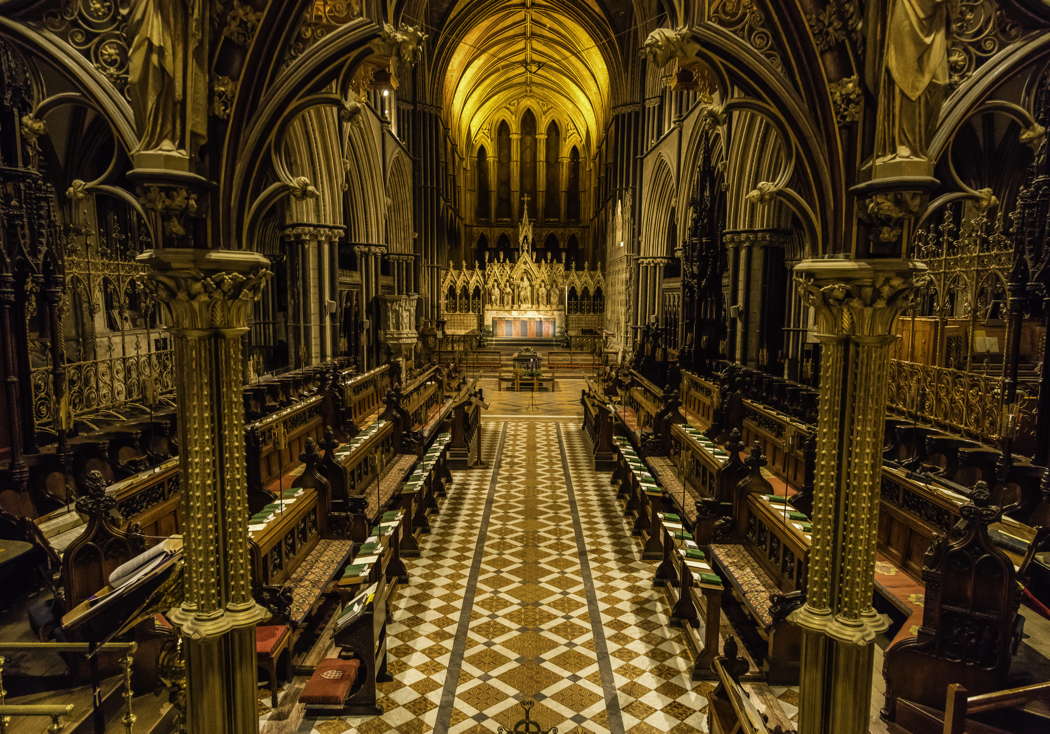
x: 206, y: 289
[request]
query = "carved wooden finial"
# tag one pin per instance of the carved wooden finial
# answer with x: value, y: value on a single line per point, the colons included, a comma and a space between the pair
x: 756, y: 459
x: 329, y: 442
x: 310, y: 455
x: 93, y: 500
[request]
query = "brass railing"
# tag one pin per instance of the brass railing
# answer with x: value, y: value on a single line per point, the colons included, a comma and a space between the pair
x: 98, y: 385
x: 57, y: 711
x: 964, y: 402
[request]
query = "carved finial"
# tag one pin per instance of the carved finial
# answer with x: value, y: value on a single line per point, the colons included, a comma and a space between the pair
x: 735, y: 445
x: 756, y: 459
x: 310, y: 456
x: 93, y: 500
x: 980, y: 496
x: 329, y: 443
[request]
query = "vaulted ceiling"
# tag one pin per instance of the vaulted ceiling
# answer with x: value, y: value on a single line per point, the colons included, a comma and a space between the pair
x: 531, y: 51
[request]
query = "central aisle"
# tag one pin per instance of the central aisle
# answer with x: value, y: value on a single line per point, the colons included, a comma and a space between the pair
x: 530, y: 586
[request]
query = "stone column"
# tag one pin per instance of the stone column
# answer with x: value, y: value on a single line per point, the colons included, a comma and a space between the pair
x: 209, y: 295
x: 368, y: 261
x: 304, y: 294
x: 752, y: 244
x: 856, y: 304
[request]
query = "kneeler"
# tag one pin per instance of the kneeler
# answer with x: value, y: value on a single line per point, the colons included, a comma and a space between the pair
x: 330, y: 686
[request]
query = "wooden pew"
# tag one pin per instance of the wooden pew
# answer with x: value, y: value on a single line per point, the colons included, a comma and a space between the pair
x: 1013, y: 709
x: 731, y: 709
x: 362, y: 398
x: 700, y: 398
x: 274, y: 443
x: 598, y: 424
x: 683, y: 573
x: 970, y: 625
x: 367, y: 588
x: 643, y: 401
x: 710, y: 471
x: 465, y: 427
x: 788, y: 445
x: 764, y: 563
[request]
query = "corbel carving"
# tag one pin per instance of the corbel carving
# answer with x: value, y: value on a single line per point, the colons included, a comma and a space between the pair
x: 846, y: 99
x: 223, y: 92
x: 173, y: 205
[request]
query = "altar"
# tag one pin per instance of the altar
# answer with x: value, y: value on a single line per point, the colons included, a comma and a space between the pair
x: 528, y: 298
x: 522, y: 326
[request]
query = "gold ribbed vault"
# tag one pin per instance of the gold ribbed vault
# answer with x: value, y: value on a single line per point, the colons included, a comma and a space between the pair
x: 526, y: 51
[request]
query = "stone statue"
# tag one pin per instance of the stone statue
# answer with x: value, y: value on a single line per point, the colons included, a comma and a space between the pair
x: 494, y: 294
x: 664, y: 45
x: 167, y: 79
x: 541, y: 294
x: 906, y: 66
x: 524, y: 298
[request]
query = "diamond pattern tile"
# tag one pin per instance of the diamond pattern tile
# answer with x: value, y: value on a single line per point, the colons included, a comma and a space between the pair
x: 561, y: 608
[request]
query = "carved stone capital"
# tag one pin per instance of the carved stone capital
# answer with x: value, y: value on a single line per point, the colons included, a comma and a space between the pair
x: 377, y: 250
x: 206, y: 289
x: 859, y: 298
x: 312, y: 233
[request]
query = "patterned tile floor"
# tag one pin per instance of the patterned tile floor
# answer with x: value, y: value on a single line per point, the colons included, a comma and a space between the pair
x: 531, y: 586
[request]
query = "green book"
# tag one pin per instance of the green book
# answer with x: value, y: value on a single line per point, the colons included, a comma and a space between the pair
x: 795, y: 515
x: 710, y: 578
x: 672, y: 517
x: 357, y: 570
x: 683, y: 535
x: 695, y: 553
x: 776, y: 498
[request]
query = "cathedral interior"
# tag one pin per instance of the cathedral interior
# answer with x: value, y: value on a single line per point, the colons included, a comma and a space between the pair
x: 524, y: 366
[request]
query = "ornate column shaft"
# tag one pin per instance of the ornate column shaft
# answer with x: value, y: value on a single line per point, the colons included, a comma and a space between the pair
x: 209, y: 295
x: 856, y: 303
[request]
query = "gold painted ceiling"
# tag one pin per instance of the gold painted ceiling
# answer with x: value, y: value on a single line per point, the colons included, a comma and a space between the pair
x: 527, y: 50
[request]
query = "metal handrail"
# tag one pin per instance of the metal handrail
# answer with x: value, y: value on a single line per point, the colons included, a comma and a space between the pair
x: 54, y: 712
x: 81, y: 648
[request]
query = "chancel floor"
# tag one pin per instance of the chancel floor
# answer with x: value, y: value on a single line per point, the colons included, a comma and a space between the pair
x: 530, y: 586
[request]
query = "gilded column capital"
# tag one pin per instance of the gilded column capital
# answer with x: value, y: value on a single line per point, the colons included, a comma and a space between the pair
x: 859, y: 298
x: 206, y: 289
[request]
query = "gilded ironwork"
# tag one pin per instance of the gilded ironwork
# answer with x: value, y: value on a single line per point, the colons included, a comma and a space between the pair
x: 979, y: 30
x: 98, y: 29
x: 320, y: 18
x: 743, y: 19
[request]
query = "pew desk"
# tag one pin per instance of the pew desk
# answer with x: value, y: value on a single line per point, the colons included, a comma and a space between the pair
x: 274, y: 443
x: 912, y: 511
x: 666, y: 472
x: 685, y: 575
x: 710, y: 470
x: 700, y: 398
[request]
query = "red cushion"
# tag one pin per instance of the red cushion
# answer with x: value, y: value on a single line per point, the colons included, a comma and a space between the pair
x: 331, y: 682
x: 268, y: 637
